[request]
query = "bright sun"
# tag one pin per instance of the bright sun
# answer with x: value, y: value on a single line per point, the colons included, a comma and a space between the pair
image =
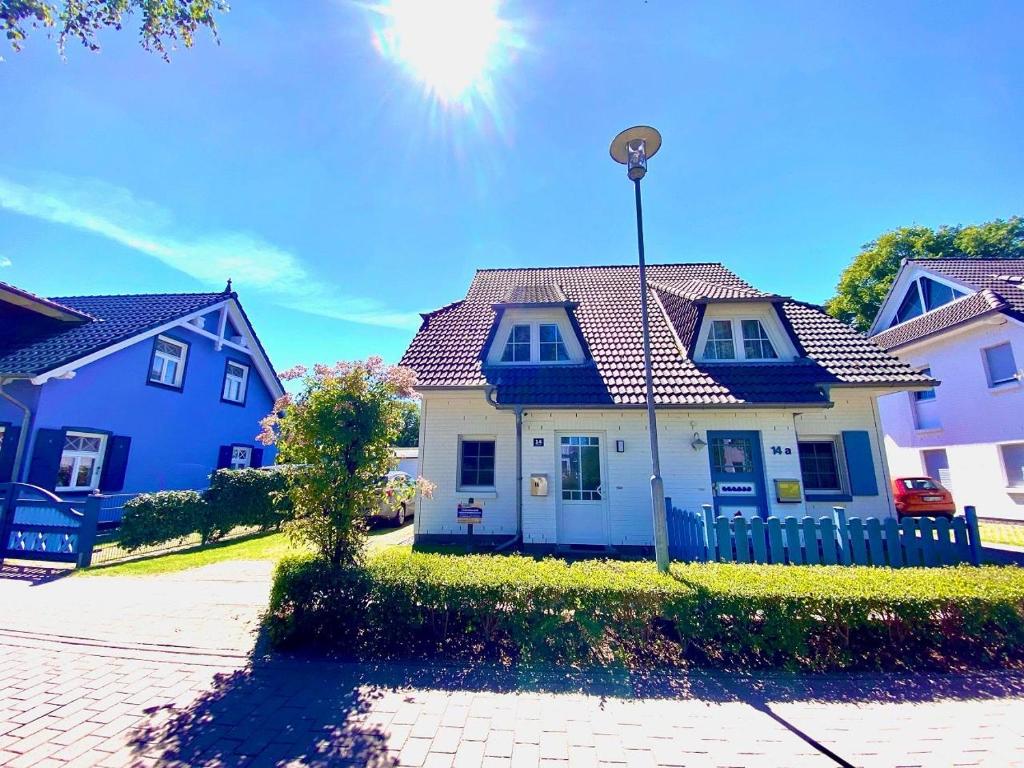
x: 453, y: 47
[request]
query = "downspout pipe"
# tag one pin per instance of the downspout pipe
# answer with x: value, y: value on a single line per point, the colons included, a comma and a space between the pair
x: 26, y: 418
x: 518, y: 409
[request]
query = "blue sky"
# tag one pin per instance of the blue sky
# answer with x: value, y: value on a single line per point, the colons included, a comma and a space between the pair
x: 297, y: 159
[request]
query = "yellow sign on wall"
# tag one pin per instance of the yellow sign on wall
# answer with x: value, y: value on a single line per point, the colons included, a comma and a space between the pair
x: 788, y: 491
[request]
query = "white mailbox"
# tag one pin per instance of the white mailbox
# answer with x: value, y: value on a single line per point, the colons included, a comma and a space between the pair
x: 538, y: 485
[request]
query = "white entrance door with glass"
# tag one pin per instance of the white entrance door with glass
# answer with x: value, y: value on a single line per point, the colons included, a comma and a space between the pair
x: 582, y: 503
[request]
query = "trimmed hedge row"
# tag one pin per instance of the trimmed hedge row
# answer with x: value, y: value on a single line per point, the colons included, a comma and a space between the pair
x: 236, y: 497
x: 515, y: 609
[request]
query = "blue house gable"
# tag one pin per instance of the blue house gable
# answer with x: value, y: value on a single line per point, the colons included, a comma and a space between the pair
x: 129, y: 393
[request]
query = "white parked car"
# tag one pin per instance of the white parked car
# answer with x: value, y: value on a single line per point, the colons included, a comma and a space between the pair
x: 398, y: 498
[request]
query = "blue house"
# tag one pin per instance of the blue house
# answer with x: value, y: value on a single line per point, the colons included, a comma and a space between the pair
x: 129, y: 393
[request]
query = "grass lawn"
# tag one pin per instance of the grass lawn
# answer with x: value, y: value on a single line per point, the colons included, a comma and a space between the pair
x: 1002, y: 533
x: 268, y: 546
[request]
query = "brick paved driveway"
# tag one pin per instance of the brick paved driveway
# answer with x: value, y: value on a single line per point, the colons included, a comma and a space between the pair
x: 156, y: 671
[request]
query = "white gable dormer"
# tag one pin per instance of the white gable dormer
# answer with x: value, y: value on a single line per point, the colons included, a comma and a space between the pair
x: 535, y: 336
x: 916, y: 291
x: 743, y: 332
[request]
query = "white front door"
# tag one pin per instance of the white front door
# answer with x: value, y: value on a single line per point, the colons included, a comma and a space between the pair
x: 582, y: 498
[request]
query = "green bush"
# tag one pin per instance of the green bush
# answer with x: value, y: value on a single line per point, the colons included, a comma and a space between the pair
x: 152, y: 518
x: 236, y: 497
x: 515, y: 609
x: 247, y: 497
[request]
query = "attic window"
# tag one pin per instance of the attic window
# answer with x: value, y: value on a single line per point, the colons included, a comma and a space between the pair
x: 723, y: 335
x: 517, y: 349
x: 924, y: 295
x: 552, y: 347
x: 756, y: 344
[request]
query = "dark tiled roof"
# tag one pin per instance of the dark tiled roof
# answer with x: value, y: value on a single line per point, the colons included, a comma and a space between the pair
x: 116, y: 318
x: 535, y: 294
x: 696, y: 289
x: 448, y: 349
x: 998, y: 287
x: 956, y: 312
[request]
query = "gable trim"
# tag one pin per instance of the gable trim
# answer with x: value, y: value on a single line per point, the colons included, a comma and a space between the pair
x: 261, y: 361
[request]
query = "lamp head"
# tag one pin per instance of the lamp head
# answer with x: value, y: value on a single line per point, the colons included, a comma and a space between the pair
x: 633, y: 146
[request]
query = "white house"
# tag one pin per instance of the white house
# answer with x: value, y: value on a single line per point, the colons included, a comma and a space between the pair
x: 960, y: 321
x: 533, y: 405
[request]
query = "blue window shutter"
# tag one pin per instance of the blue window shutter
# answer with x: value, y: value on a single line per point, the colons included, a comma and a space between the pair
x: 859, y: 463
x: 8, y: 448
x: 256, y: 457
x: 46, y: 453
x: 224, y: 457
x: 115, y: 464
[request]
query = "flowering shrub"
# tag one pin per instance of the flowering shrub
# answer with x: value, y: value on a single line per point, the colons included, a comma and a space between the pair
x: 338, y: 432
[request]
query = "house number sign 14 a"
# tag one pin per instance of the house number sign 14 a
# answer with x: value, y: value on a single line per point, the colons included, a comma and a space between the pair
x: 778, y: 450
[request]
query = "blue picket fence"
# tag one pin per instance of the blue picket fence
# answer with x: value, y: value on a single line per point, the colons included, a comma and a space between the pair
x: 836, y: 540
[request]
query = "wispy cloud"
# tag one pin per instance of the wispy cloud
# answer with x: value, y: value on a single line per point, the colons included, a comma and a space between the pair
x: 118, y: 215
x: 4, y: 262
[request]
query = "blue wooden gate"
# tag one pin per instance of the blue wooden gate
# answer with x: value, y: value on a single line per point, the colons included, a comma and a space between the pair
x: 835, y: 540
x: 37, y: 525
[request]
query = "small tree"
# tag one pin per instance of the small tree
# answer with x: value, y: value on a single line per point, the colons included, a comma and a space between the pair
x: 338, y: 431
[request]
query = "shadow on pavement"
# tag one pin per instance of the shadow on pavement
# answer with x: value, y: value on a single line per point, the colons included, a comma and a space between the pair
x: 319, y: 712
x: 33, y: 574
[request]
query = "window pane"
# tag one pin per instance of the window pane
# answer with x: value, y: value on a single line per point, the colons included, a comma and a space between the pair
x: 549, y: 333
x: 235, y: 370
x: 570, y: 470
x: 1013, y: 461
x: 1002, y: 367
x: 590, y: 468
x: 756, y: 344
x: 819, y: 466
x: 928, y: 394
x: 910, y: 307
x: 170, y: 372
x: 84, y: 475
x: 521, y: 334
x: 732, y: 455
x: 67, y: 465
x: 157, y: 371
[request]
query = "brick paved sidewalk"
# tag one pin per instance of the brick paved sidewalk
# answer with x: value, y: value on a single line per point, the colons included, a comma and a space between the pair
x: 131, y: 681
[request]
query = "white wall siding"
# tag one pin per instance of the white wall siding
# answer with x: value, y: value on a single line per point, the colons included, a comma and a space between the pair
x: 626, y: 476
x: 974, y: 418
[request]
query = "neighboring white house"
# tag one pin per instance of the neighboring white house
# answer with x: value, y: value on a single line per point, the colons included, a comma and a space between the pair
x: 407, y: 460
x: 533, y: 405
x: 962, y: 322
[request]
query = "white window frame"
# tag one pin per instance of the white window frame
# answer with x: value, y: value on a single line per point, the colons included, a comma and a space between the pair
x: 510, y: 342
x: 559, y: 343
x: 840, y: 456
x: 458, y: 464
x: 243, y: 382
x: 236, y: 457
x: 1015, y: 381
x: 163, y: 357
x: 782, y: 351
x: 535, y: 321
x: 1002, y: 463
x: 767, y: 337
x: 77, y: 456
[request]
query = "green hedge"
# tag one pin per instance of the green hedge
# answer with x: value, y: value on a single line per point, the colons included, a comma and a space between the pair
x: 236, y: 497
x: 515, y: 609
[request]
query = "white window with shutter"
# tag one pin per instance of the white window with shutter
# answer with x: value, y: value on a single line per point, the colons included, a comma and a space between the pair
x: 168, y: 366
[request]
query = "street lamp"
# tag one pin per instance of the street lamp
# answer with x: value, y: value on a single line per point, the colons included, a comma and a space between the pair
x: 632, y: 147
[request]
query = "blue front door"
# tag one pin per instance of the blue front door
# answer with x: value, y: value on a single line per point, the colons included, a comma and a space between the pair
x: 737, y: 473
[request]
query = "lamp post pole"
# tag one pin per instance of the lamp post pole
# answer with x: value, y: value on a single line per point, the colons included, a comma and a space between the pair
x: 632, y: 147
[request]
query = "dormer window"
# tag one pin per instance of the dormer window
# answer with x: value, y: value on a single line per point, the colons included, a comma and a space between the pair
x: 720, y: 344
x: 738, y: 339
x: 756, y: 344
x: 517, y: 348
x: 552, y: 347
x: 924, y: 295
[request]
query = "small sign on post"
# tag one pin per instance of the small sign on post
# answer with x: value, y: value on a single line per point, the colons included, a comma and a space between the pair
x: 470, y: 515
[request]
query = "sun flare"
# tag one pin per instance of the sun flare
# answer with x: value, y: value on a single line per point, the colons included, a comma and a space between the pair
x: 453, y: 47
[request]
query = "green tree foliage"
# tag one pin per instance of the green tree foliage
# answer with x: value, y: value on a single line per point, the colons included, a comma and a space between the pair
x: 164, y: 24
x: 338, y: 432
x: 409, y: 436
x: 864, y: 284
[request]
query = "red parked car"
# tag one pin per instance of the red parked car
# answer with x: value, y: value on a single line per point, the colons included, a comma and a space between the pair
x: 922, y: 497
